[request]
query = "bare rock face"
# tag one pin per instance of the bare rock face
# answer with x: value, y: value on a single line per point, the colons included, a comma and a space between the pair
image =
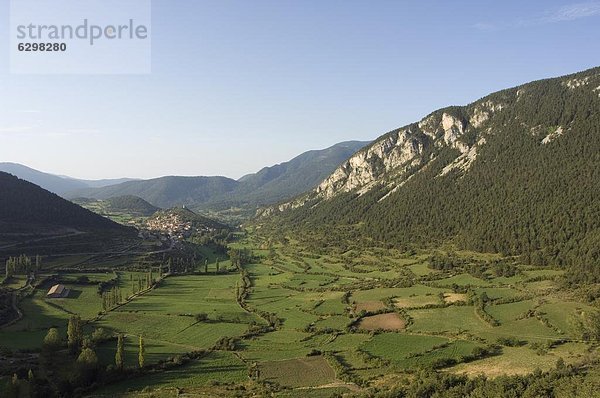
x: 553, y: 135
x: 576, y: 83
x: 396, y: 157
x: 484, y: 111
x: 453, y: 128
x: 366, y: 166
x: 465, y: 160
x: 456, y: 136
x: 398, y: 154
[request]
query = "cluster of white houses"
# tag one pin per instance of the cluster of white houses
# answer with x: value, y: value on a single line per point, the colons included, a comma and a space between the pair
x: 175, y: 227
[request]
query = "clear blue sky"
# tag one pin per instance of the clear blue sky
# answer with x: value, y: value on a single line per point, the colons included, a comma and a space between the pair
x: 238, y: 85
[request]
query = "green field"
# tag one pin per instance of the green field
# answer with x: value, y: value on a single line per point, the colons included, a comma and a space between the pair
x: 314, y: 303
x: 301, y: 372
x: 211, y: 294
x: 217, y: 366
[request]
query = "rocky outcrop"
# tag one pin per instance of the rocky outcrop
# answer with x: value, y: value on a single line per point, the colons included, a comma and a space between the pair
x: 465, y: 160
x: 576, y: 83
x: 364, y: 168
x: 398, y: 156
x: 483, y: 112
x: 553, y: 135
x: 399, y: 153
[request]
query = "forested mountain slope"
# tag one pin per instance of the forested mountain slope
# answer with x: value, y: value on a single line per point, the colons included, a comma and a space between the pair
x: 286, y: 180
x: 31, y: 208
x: 516, y: 172
x: 132, y: 205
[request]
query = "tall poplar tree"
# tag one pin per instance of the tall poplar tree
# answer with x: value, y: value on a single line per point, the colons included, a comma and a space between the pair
x: 141, y: 353
x: 119, y: 362
x: 74, y: 333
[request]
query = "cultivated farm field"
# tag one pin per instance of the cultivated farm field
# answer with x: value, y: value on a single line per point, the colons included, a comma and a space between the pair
x: 302, y: 322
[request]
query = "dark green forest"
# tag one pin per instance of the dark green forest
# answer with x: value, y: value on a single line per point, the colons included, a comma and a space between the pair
x: 28, y: 205
x: 521, y: 197
x: 132, y: 205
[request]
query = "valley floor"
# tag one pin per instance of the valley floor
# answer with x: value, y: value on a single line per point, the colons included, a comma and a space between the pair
x: 297, y: 323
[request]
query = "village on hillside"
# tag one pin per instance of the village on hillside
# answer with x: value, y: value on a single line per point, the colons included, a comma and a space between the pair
x: 175, y: 225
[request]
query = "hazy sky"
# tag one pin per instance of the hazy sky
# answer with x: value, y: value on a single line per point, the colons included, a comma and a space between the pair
x: 238, y: 85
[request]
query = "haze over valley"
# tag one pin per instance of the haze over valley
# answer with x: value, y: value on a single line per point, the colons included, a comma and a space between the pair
x: 448, y: 245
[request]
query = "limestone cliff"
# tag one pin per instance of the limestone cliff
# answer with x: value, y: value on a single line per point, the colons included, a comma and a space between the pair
x: 391, y: 160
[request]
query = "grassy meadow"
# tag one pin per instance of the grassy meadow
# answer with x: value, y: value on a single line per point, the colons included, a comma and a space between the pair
x: 307, y: 322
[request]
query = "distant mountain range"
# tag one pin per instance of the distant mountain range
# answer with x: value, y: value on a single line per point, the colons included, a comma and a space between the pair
x: 165, y: 192
x: 286, y: 180
x: 59, y: 185
x: 269, y: 185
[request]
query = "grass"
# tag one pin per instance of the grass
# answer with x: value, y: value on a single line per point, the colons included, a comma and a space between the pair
x: 398, y: 346
x: 389, y: 321
x: 306, y: 292
x: 401, y: 292
x: 314, y: 392
x: 339, y: 343
x: 92, y: 276
x: 541, y: 288
x: 278, y: 345
x: 24, y: 339
x: 337, y: 322
x: 499, y: 292
x: 530, y: 330
x: 421, y: 269
x: 462, y: 280
x: 310, y: 281
x: 510, y: 312
x: 543, y: 273
x: 463, y: 319
x: 291, y: 306
x: 83, y: 300
x: 456, y: 350
x: 155, y: 351
x: 39, y: 315
x: 174, y: 329
x: 417, y: 301
x: 222, y: 366
x: 521, y: 361
x: 15, y: 282
x: 298, y: 372
x: 327, y: 303
x: 409, y: 351
x: 193, y: 294
x: 450, y: 319
x: 559, y: 313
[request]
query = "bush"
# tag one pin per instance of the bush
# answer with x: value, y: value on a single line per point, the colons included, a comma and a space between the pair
x: 226, y: 344
x: 201, y: 317
x: 510, y: 342
x: 100, y: 335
